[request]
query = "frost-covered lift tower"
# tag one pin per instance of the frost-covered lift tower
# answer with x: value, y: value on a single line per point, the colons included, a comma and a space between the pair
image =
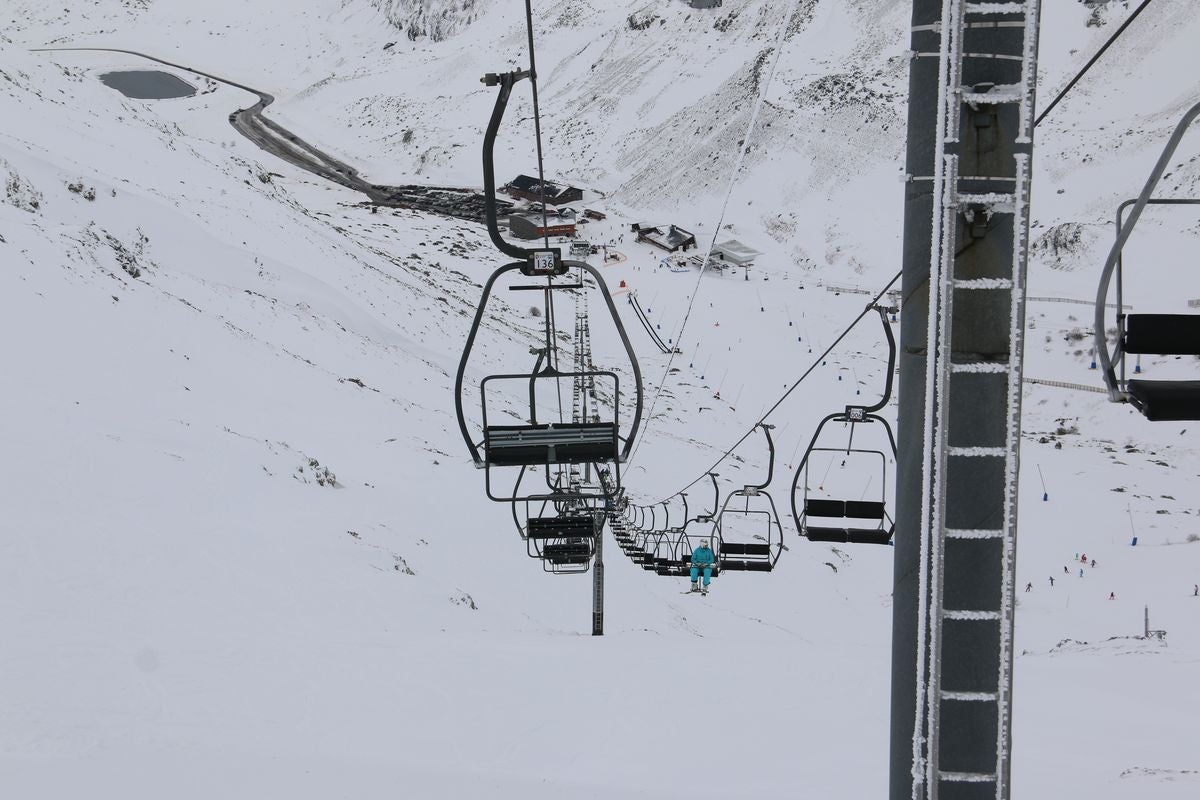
x: 966, y: 238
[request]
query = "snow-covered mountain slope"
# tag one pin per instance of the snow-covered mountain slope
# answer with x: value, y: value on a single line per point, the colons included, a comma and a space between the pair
x: 244, y: 546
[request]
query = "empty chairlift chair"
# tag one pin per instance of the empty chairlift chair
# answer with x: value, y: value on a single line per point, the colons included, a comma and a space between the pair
x: 564, y: 541
x: 737, y: 545
x: 833, y: 518
x: 533, y: 443
x: 1147, y: 334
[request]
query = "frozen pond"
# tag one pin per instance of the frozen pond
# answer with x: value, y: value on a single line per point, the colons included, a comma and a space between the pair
x: 148, y: 84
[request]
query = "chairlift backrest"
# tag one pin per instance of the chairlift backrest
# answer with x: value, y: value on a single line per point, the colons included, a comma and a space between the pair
x: 1165, y: 334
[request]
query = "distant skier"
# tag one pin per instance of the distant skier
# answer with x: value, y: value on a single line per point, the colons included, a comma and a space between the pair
x: 1112, y: 595
x: 1093, y: 562
x: 1051, y: 580
x: 1084, y: 559
x: 1081, y: 572
x: 1196, y: 590
x: 1066, y: 571
x: 1029, y: 586
x: 703, y: 559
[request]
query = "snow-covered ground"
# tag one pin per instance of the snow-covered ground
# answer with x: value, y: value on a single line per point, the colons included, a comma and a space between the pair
x: 245, y: 552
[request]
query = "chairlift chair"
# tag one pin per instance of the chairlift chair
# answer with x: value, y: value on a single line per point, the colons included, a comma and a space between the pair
x: 855, y: 521
x: 761, y: 551
x: 533, y: 443
x: 679, y: 564
x: 1147, y: 334
x: 564, y: 540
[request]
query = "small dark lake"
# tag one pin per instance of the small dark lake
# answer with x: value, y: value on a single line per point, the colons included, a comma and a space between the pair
x: 148, y: 84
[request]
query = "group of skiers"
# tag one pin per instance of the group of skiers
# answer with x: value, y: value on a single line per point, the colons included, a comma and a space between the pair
x: 1080, y: 558
x: 1083, y: 559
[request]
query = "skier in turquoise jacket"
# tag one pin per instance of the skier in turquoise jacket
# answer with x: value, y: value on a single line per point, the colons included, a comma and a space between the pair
x: 703, y: 559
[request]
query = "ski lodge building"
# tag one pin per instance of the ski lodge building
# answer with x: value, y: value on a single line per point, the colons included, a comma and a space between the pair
x: 524, y: 187
x: 529, y: 226
x: 735, y: 253
x: 670, y: 238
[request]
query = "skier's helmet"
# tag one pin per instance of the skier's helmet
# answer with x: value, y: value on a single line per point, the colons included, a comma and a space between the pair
x: 704, y: 542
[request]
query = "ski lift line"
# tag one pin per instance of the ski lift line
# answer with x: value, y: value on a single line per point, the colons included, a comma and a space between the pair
x: 812, y: 367
x: 1079, y: 76
x: 537, y: 119
x: 733, y: 176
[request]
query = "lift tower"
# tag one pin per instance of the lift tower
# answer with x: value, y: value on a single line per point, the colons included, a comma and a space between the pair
x: 966, y: 222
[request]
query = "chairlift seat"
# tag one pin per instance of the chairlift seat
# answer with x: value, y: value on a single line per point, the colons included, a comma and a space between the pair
x: 566, y: 561
x: 872, y: 536
x: 562, y: 443
x: 745, y: 549
x: 561, y: 528
x: 746, y: 566
x: 686, y: 571
x: 1162, y: 334
x: 849, y: 510
x: 558, y: 552
x: 1166, y: 400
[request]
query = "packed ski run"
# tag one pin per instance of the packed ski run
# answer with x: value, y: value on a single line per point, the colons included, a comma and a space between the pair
x: 248, y: 553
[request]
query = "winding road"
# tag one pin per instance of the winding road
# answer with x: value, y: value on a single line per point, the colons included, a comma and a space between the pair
x: 277, y: 140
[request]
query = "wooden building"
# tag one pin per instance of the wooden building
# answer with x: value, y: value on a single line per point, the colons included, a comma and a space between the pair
x: 525, y: 187
x: 669, y: 238
x: 529, y: 226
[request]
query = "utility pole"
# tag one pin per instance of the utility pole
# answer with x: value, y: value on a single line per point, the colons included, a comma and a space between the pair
x: 970, y: 126
x: 598, y: 583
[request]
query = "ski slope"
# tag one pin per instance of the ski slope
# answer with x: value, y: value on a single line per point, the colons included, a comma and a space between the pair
x: 246, y: 554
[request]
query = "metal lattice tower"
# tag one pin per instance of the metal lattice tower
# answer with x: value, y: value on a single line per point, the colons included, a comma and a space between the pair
x: 967, y: 424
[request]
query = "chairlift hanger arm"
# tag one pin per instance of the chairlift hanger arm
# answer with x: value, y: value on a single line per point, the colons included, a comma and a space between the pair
x: 766, y: 429
x: 891, y: 365
x: 716, y: 494
x: 506, y: 81
x: 537, y: 365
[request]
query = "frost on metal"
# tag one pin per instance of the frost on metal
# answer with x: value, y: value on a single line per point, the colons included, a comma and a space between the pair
x: 940, y: 386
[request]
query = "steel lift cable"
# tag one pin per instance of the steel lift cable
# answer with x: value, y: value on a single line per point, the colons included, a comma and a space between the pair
x: 1111, y: 40
x: 737, y: 167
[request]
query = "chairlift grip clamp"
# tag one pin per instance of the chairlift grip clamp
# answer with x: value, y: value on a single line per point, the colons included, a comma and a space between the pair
x: 856, y: 413
x: 497, y: 78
